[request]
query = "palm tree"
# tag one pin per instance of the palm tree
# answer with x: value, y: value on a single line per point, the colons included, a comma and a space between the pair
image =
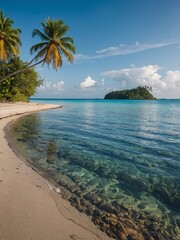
x: 9, y: 38
x: 54, y: 46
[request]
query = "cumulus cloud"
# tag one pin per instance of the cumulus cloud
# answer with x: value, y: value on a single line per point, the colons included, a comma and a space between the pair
x: 51, y: 86
x: 87, y: 83
x: 166, y: 85
x: 130, y: 77
x: 59, y: 86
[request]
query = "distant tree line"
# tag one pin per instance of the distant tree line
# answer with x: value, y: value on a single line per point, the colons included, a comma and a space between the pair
x: 139, y: 93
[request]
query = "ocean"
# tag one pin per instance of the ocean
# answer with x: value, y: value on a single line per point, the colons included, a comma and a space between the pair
x: 116, y: 160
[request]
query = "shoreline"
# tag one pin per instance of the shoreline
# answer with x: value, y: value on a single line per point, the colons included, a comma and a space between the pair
x: 30, y: 206
x: 14, y: 109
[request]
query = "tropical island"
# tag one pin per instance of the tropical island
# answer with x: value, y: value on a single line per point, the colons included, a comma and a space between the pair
x: 139, y: 93
x: 109, y: 165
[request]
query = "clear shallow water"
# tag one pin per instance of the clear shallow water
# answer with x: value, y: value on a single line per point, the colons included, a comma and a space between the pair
x: 117, y: 159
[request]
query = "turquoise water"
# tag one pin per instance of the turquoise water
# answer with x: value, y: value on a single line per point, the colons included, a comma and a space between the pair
x: 115, y: 159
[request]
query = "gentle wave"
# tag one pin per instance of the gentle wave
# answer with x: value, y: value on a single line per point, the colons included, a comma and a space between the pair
x: 113, y: 157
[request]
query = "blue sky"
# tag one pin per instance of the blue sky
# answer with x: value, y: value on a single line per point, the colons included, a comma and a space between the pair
x: 120, y: 44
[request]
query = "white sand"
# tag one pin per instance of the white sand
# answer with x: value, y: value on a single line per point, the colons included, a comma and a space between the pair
x: 12, y: 109
x: 29, y: 209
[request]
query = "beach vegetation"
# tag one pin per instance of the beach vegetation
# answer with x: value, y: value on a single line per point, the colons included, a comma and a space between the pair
x: 54, y: 45
x: 9, y: 38
x: 53, y: 48
x: 139, y: 93
x: 20, y: 86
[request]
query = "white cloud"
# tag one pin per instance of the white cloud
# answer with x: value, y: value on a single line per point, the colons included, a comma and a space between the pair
x: 81, y: 57
x: 51, y: 86
x: 102, y: 82
x: 59, y: 86
x: 124, y: 49
x: 166, y: 85
x: 87, y: 83
x: 133, y: 76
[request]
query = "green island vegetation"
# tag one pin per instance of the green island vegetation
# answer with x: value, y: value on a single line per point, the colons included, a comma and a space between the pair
x: 18, y: 79
x: 20, y: 86
x: 139, y: 93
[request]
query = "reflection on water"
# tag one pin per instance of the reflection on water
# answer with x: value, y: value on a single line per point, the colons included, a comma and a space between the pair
x: 119, y: 163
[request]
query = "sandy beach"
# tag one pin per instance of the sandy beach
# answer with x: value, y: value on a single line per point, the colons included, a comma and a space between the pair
x: 30, y: 208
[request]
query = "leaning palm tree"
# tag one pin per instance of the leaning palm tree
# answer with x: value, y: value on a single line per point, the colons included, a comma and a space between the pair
x: 9, y: 38
x: 54, y: 46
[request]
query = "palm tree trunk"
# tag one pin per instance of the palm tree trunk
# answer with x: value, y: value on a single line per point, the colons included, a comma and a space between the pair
x: 21, y: 70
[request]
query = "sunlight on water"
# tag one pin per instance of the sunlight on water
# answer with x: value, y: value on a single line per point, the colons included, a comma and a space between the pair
x: 114, y: 159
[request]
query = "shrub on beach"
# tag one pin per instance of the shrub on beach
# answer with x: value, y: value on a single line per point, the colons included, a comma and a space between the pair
x: 20, y: 86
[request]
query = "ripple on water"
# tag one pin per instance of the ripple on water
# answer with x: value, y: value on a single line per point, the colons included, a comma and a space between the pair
x: 124, y: 174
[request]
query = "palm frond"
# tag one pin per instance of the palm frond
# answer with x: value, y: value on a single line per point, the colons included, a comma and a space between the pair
x: 66, y: 53
x: 67, y: 40
x: 41, y: 35
x: 55, y: 44
x: 62, y: 30
x: 41, y: 54
x: 69, y: 47
x: 9, y: 37
x: 38, y: 46
x: 3, y: 53
x: 57, y: 60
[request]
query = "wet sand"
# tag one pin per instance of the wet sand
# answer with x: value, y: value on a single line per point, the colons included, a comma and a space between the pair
x: 30, y: 208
